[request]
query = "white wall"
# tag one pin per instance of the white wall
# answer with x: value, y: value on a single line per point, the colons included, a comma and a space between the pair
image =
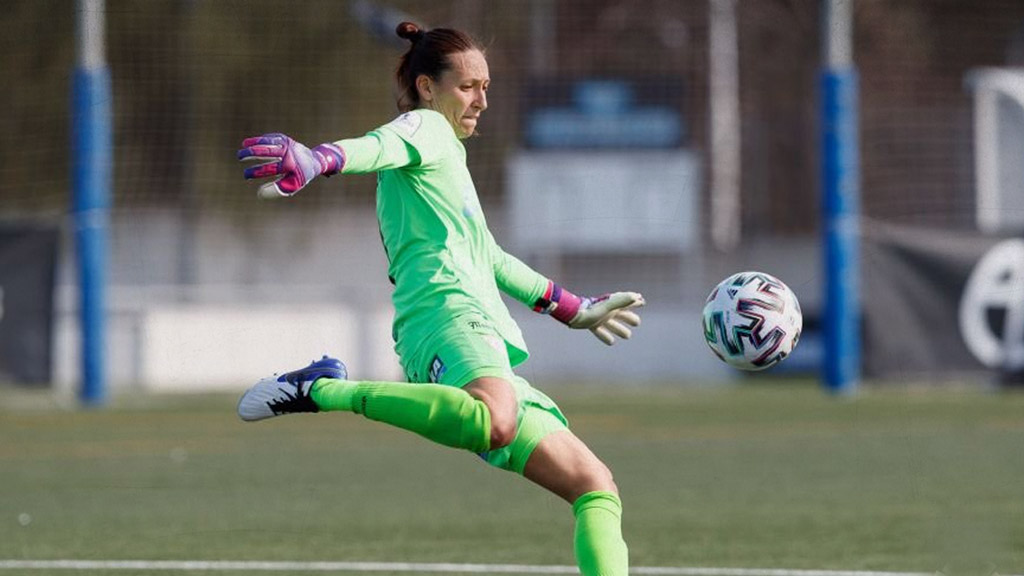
x: 273, y: 294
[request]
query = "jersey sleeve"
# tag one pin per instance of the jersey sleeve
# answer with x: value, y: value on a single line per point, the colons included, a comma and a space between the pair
x: 415, y: 138
x: 378, y: 150
x: 515, y: 278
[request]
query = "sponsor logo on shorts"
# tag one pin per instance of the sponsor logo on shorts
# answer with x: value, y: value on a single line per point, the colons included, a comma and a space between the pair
x: 494, y: 342
x: 437, y: 370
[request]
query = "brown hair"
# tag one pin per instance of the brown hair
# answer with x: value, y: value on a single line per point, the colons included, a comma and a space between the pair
x: 427, y: 55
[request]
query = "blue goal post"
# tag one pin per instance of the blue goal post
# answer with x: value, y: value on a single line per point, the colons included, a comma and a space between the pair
x: 91, y: 172
x: 840, y: 172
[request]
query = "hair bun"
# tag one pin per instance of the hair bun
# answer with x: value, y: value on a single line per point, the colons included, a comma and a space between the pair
x: 410, y: 32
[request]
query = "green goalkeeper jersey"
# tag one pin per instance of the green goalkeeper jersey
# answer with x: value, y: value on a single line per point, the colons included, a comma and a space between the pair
x: 443, y: 260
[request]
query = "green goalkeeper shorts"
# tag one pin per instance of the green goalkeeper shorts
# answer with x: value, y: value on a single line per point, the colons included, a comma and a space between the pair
x: 470, y: 349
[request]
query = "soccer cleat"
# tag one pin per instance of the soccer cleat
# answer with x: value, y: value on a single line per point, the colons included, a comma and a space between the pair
x: 289, y: 392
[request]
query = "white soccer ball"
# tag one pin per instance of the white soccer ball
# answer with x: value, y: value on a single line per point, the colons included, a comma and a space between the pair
x: 752, y: 320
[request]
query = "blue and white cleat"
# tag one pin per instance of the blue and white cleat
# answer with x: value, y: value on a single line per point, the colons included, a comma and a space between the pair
x: 289, y: 392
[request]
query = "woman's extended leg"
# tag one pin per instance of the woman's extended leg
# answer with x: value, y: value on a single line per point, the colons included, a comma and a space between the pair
x: 563, y: 464
x: 480, y: 417
x: 444, y: 414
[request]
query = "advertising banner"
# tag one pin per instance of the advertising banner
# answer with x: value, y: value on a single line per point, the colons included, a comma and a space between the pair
x: 28, y: 259
x: 939, y: 304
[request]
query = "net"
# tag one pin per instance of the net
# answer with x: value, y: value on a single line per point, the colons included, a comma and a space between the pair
x: 573, y: 77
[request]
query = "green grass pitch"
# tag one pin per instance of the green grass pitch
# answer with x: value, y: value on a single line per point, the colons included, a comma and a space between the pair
x: 757, y: 475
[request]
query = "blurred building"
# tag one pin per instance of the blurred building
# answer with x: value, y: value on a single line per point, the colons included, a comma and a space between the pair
x: 198, y: 261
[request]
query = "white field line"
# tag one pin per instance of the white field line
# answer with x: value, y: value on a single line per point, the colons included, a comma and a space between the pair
x: 228, y: 565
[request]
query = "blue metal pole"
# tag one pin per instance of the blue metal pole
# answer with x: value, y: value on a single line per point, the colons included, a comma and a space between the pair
x: 92, y: 162
x: 841, y: 187
x: 840, y: 172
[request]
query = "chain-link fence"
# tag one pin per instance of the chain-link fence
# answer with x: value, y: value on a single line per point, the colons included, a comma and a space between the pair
x: 191, y: 78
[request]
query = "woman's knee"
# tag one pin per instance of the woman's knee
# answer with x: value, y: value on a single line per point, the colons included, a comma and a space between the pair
x: 500, y: 398
x: 503, y: 427
x: 596, y: 476
x: 564, y: 465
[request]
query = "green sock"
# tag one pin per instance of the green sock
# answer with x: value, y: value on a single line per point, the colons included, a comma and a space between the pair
x: 444, y: 414
x: 600, y: 549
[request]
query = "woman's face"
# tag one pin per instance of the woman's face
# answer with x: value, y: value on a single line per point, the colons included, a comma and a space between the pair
x: 461, y: 92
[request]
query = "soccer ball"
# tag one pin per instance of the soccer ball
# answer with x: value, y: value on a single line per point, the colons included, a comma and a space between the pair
x: 752, y: 320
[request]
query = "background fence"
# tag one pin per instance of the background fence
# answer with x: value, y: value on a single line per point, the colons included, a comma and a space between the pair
x: 200, y: 269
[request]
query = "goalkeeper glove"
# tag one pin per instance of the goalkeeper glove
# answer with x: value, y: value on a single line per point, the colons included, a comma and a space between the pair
x: 607, y: 316
x: 293, y: 164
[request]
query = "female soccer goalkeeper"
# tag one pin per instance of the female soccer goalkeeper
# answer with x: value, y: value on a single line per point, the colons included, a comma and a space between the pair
x: 454, y: 336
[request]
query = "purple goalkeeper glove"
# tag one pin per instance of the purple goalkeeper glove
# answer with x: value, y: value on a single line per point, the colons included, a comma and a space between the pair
x: 607, y: 316
x: 292, y: 164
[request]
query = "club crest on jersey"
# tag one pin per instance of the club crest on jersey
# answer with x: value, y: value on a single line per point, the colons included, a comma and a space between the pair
x: 470, y: 202
x: 437, y: 370
x: 407, y: 123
